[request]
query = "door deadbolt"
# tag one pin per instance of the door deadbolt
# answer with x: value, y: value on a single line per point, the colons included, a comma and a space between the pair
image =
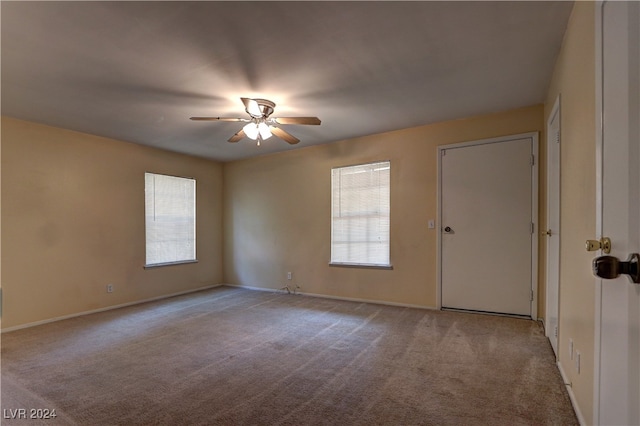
x: 609, y: 267
x: 604, y: 244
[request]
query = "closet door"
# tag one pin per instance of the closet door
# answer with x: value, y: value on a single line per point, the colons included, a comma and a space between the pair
x: 486, y: 226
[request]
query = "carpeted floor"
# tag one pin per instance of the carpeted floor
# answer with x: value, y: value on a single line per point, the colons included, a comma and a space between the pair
x: 232, y: 356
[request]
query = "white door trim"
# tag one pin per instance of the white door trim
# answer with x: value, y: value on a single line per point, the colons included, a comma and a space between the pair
x: 534, y: 213
x: 555, y: 112
x: 599, y: 80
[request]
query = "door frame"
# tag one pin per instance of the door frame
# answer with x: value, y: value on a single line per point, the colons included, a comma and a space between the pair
x: 555, y: 111
x: 534, y: 212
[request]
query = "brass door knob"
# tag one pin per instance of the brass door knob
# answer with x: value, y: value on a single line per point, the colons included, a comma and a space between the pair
x: 604, y: 243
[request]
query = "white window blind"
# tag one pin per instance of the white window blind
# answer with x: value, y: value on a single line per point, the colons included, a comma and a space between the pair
x: 170, y: 219
x: 360, y: 208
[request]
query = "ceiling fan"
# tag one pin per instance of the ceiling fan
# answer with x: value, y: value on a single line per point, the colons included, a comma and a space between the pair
x: 261, y: 125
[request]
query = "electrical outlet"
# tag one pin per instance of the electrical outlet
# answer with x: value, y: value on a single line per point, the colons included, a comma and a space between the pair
x: 288, y: 275
x: 570, y: 348
x: 109, y: 288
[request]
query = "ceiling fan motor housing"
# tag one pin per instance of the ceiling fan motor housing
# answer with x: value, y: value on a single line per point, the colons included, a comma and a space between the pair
x: 266, y: 107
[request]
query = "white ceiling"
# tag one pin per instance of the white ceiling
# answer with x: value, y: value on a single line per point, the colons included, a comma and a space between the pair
x: 136, y: 71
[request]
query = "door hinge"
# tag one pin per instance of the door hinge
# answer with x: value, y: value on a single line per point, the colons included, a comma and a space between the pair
x: 532, y: 295
x: 532, y: 228
x: 533, y: 160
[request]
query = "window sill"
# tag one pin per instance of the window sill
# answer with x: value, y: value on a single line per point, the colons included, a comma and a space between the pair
x: 158, y: 265
x: 361, y: 265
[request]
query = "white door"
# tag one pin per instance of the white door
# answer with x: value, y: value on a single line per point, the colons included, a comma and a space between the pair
x: 486, y: 206
x: 552, y: 232
x: 617, y: 375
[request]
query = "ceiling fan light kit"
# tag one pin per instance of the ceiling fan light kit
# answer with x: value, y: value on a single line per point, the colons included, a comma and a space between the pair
x: 261, y: 125
x: 251, y: 130
x: 264, y: 131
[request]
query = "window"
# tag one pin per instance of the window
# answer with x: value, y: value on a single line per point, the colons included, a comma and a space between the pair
x: 170, y: 219
x: 360, y: 214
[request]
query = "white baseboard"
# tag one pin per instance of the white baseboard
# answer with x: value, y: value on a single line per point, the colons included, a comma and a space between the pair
x: 248, y: 287
x: 572, y: 396
x: 326, y: 296
x: 107, y: 308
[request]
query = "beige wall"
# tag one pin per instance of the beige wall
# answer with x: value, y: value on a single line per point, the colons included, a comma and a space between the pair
x: 1, y: 299
x: 574, y: 80
x: 277, y: 211
x: 73, y: 221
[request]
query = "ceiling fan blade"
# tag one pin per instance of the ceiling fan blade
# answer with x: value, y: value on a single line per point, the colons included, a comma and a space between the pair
x: 217, y: 119
x: 287, y: 137
x: 252, y: 107
x: 237, y: 136
x: 298, y: 120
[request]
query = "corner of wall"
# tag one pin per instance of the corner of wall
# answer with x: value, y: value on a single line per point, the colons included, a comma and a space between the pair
x: 574, y: 79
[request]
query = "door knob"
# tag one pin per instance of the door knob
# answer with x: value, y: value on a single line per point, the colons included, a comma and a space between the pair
x: 609, y: 267
x: 604, y: 244
x: 548, y: 233
x: 448, y: 229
